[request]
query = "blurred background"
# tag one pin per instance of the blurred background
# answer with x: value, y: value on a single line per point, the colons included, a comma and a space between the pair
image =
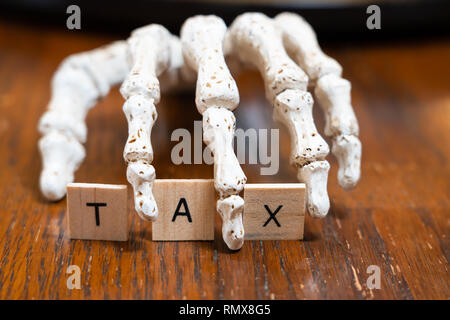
x: 332, y: 19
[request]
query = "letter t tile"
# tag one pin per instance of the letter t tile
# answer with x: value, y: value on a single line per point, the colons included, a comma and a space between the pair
x: 97, y: 211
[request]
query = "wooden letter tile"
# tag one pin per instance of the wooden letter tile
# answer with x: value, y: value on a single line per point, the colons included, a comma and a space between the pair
x: 186, y: 209
x: 97, y: 211
x: 274, y: 211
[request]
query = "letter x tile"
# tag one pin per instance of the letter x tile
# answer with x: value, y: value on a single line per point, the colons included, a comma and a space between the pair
x: 274, y: 211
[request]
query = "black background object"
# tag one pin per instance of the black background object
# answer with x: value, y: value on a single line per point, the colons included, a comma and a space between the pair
x: 399, y: 19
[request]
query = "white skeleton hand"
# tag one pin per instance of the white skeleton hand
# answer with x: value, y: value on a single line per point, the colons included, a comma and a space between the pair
x: 151, y: 52
x: 82, y: 79
x: 332, y: 92
x: 262, y: 42
x: 216, y: 96
x: 77, y: 85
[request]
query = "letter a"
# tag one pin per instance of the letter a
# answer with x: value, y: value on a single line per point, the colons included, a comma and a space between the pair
x: 185, y: 213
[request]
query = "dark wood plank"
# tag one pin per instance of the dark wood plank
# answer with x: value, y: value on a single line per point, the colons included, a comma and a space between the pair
x: 397, y: 217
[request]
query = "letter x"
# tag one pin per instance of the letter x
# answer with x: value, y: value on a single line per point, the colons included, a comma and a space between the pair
x: 272, y: 215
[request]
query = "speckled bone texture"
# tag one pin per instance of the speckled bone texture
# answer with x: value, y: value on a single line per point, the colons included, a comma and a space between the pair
x: 79, y: 82
x: 256, y: 39
x: 202, y: 39
x: 216, y: 96
x: 149, y: 56
x: 331, y: 91
x: 152, y: 53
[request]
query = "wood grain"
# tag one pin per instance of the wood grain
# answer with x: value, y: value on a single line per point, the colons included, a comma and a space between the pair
x: 97, y: 211
x: 191, y: 202
x: 397, y: 218
x: 274, y: 211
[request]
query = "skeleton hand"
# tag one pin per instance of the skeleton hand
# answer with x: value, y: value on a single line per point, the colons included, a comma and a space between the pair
x: 216, y: 97
x: 260, y: 41
x: 81, y: 80
x: 332, y: 92
x: 151, y: 51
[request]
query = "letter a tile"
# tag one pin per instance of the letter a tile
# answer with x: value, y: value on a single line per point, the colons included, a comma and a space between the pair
x: 187, y: 208
x: 274, y: 211
x: 97, y: 211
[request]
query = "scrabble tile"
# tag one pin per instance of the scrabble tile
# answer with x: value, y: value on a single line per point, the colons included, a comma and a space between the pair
x: 274, y: 211
x: 187, y: 208
x: 97, y: 211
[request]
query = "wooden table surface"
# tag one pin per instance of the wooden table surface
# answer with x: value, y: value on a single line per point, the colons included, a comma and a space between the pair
x: 397, y: 218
